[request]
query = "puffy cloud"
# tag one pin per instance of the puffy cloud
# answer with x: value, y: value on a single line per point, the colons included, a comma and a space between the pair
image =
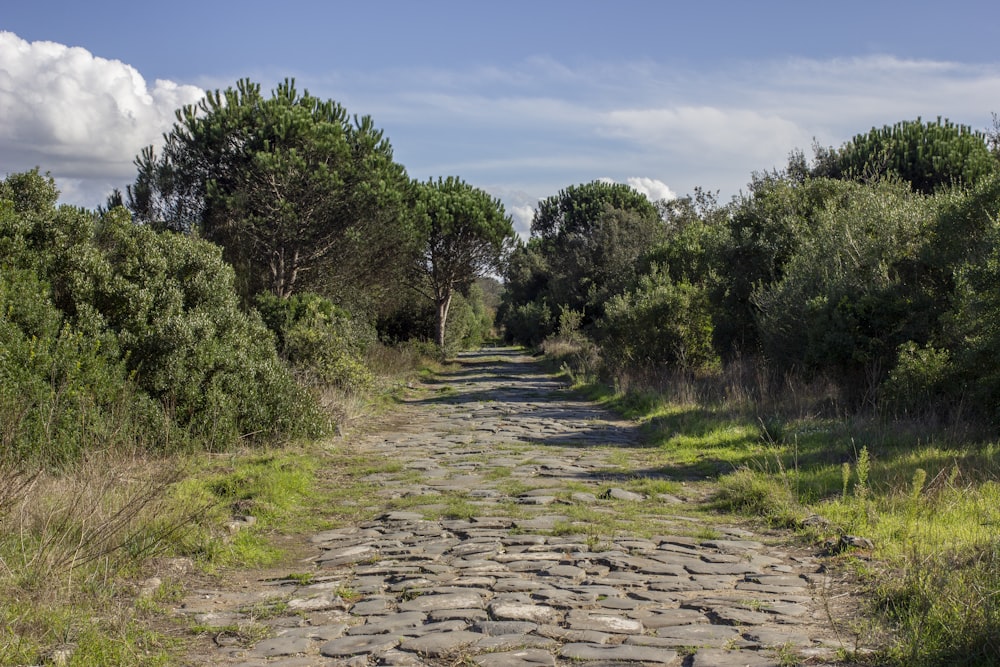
x: 82, y: 117
x: 522, y: 216
x: 653, y: 188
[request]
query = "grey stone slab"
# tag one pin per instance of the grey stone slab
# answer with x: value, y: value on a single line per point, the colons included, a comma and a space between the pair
x: 733, y: 546
x: 739, y: 616
x: 387, y: 624
x: 391, y: 658
x: 698, y: 635
x: 620, y: 653
x: 441, y: 643
x: 470, y: 615
x: 403, y: 516
x: 782, y: 580
x: 564, y: 572
x: 723, y: 658
x: 437, y: 627
x: 357, y: 645
x: 347, y: 555
x: 704, y: 567
x: 777, y: 637
x: 282, y: 646
x: 673, y: 617
x: 495, y: 628
x: 528, y: 657
x: 466, y: 600
x: 513, y: 641
x: 519, y: 611
x: 604, y: 622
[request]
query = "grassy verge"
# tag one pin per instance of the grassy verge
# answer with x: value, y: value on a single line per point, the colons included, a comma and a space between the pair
x: 92, y: 556
x: 923, y: 499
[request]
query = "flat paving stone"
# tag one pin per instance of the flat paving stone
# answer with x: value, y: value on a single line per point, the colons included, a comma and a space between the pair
x: 441, y: 643
x: 698, y: 635
x: 610, y: 623
x: 358, y: 645
x: 282, y: 646
x: 520, y: 658
x: 521, y: 611
x: 621, y: 653
x: 469, y: 600
x: 723, y: 658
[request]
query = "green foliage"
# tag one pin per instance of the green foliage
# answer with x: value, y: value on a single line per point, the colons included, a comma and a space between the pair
x: 759, y: 495
x: 469, y: 322
x: 658, y: 324
x: 320, y: 341
x: 105, y: 323
x: 765, y: 229
x: 590, y: 237
x: 299, y: 194
x: 846, y: 299
x: 464, y: 233
x: 975, y: 328
x: 529, y: 323
x: 920, y: 379
x: 929, y: 156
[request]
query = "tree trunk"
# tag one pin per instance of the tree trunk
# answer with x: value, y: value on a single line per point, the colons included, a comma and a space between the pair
x: 443, y: 304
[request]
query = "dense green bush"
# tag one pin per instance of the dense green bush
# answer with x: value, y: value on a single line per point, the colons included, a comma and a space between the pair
x: 320, y: 341
x: 848, y: 296
x: 102, y: 315
x: 658, y: 324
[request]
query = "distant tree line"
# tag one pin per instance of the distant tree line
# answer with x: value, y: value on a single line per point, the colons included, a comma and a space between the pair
x: 874, y: 265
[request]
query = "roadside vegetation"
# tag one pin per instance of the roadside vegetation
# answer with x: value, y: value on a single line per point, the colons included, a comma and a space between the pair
x: 178, y: 369
x: 823, y: 347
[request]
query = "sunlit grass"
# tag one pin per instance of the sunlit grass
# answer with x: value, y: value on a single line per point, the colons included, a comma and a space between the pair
x: 929, y: 503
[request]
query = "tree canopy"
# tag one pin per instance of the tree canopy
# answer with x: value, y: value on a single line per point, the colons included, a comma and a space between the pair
x: 464, y: 233
x: 299, y: 194
x: 928, y: 155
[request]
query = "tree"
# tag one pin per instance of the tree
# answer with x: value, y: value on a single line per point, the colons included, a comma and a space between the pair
x: 299, y: 194
x: 590, y: 236
x: 465, y: 233
x: 928, y: 156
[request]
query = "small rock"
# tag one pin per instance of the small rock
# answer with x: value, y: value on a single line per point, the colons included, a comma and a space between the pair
x: 622, y: 494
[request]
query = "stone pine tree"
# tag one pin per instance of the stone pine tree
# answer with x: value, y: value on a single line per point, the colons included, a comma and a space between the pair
x: 299, y: 193
x: 927, y: 155
x: 464, y: 233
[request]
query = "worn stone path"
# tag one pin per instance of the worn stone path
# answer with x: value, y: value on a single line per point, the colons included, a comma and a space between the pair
x: 504, y: 551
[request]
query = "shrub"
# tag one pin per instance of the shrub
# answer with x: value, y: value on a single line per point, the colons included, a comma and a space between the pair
x: 920, y: 380
x: 529, y: 323
x: 747, y: 492
x: 321, y: 342
x: 100, y: 316
x: 659, y: 323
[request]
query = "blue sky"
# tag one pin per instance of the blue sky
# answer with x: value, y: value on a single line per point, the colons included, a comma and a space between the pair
x: 519, y: 98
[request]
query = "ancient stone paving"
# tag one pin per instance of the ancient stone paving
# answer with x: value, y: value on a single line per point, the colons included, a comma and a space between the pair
x: 518, y: 575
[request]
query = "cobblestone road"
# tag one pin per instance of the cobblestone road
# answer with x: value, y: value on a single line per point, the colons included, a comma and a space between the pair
x: 505, y: 551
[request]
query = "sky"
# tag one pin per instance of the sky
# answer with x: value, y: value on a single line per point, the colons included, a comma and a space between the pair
x: 519, y: 98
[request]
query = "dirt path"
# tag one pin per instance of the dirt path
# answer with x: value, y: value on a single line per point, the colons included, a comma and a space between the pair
x: 513, y: 538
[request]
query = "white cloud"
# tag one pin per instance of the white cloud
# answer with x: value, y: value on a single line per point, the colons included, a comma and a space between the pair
x: 522, y: 216
x: 81, y: 117
x: 708, y: 132
x: 653, y: 188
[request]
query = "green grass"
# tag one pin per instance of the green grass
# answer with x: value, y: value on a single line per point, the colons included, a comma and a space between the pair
x: 929, y: 501
x: 33, y: 633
